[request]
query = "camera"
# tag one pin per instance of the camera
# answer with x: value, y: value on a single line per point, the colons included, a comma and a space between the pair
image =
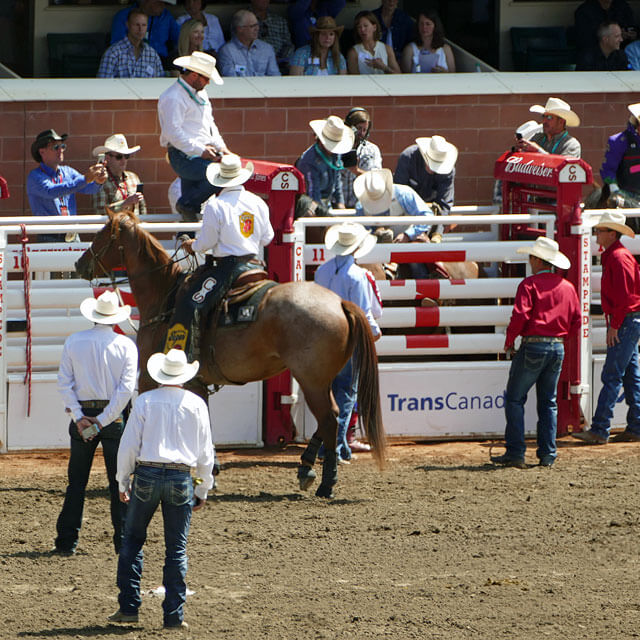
x: 350, y: 159
x: 91, y: 431
x: 101, y: 158
x: 140, y: 188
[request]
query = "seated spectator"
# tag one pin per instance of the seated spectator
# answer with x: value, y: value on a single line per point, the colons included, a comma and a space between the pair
x: 606, y: 55
x: 304, y: 14
x: 121, y: 190
x: 132, y: 57
x: 191, y: 37
x: 370, y: 55
x: 632, y: 51
x: 322, y: 57
x: 274, y: 30
x: 397, y: 27
x: 244, y: 55
x: 592, y: 13
x: 213, y: 36
x: 162, y: 31
x: 363, y: 157
x: 429, y: 53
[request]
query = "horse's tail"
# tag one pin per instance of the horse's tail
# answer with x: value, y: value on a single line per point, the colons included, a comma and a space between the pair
x: 365, y: 364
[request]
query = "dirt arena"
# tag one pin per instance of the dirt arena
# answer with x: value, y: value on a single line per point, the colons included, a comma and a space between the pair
x: 440, y: 545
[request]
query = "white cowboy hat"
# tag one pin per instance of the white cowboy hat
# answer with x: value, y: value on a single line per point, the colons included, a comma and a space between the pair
x: 613, y: 220
x: 229, y: 171
x: 116, y: 143
x: 201, y: 63
x: 105, y: 309
x: 634, y: 109
x: 374, y: 189
x: 548, y: 250
x: 560, y: 108
x: 334, y: 134
x: 172, y: 367
x: 529, y: 129
x: 439, y: 154
x: 349, y: 237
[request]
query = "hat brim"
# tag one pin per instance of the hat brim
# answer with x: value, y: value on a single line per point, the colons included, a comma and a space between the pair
x: 214, y: 177
x: 367, y: 245
x: 569, y: 117
x: 559, y: 260
x: 102, y: 149
x: 88, y: 310
x: 371, y: 206
x: 634, y: 109
x: 614, y: 226
x: 438, y: 166
x: 340, y: 146
x: 359, y: 248
x: 184, y: 62
x: 154, y: 367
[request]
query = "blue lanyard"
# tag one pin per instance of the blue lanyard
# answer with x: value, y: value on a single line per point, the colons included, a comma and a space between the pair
x: 195, y: 97
x: 558, y: 141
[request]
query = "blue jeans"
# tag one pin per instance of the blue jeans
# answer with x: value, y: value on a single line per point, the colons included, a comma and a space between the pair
x: 345, y: 387
x: 620, y: 370
x: 538, y: 363
x: 193, y: 176
x: 80, y: 461
x: 174, y: 489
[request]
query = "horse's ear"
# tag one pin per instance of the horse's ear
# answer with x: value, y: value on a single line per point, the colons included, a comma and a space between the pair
x: 110, y: 212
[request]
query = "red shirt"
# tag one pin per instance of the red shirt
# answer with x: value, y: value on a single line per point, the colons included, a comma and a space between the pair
x: 620, y: 288
x: 546, y: 305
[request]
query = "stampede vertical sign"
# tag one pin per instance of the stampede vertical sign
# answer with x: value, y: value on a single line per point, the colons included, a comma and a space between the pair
x: 3, y: 365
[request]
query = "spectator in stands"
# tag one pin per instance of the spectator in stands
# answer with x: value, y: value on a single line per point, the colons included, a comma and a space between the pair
x: 245, y: 55
x: 607, y: 54
x: 398, y: 29
x: 592, y: 13
x: 363, y: 157
x: 132, y: 57
x: 52, y: 186
x: 303, y: 14
x: 322, y: 57
x: 370, y: 55
x: 162, y: 30
x: 632, y: 51
x: 191, y: 37
x: 274, y: 30
x: 122, y: 189
x: 213, y: 36
x: 189, y: 131
x: 428, y: 167
x: 554, y: 137
x: 429, y: 53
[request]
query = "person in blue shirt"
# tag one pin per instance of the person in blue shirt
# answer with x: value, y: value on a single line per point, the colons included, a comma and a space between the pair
x: 398, y: 27
x: 162, y: 30
x: 303, y: 15
x: 52, y: 186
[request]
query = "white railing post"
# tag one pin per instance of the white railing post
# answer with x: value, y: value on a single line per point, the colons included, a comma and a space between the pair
x: 4, y: 427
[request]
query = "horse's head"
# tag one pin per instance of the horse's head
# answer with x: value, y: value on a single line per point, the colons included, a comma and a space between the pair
x: 107, y: 251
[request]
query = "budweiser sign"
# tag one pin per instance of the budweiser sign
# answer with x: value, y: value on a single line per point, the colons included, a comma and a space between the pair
x: 515, y: 164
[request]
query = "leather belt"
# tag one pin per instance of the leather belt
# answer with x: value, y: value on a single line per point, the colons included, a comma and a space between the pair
x: 634, y: 314
x: 542, y: 339
x: 165, y: 465
x: 94, y: 404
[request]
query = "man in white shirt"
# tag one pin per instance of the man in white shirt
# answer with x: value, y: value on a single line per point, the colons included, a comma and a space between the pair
x: 167, y: 435
x: 235, y: 226
x: 96, y: 378
x: 189, y: 131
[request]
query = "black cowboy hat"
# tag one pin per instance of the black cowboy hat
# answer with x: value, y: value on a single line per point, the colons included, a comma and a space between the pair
x: 42, y: 140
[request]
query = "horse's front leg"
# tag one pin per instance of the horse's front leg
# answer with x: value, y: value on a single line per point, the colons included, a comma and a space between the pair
x: 306, y: 474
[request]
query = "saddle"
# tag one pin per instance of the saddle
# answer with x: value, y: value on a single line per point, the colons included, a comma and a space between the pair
x: 241, y: 303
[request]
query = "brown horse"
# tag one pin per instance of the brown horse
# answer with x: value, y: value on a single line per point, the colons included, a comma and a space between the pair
x: 300, y: 326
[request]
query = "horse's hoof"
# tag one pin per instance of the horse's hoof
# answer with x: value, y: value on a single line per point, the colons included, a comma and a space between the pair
x: 306, y: 476
x: 324, y: 492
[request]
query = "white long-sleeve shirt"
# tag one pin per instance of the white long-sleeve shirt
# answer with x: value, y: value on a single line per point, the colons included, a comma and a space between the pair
x: 234, y: 223
x: 186, y: 120
x: 171, y: 425
x: 98, y: 364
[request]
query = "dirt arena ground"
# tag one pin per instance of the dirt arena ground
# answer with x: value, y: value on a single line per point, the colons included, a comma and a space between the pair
x: 440, y: 545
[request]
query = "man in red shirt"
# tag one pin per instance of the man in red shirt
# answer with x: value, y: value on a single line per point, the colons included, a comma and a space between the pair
x: 545, y: 311
x: 620, y: 299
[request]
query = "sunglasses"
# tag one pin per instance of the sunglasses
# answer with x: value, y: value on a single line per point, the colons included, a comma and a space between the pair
x: 62, y: 146
x: 119, y: 156
x: 548, y: 117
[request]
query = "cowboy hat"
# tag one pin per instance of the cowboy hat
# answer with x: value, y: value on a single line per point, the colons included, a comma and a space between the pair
x: 612, y: 220
x: 172, y: 367
x: 229, y: 172
x: 43, y: 139
x: 548, y: 250
x: 560, y: 108
x: 105, y: 309
x: 116, y: 143
x: 374, y: 189
x: 334, y: 134
x: 439, y: 155
x: 201, y: 63
x: 326, y: 23
x: 349, y: 237
x: 635, y: 109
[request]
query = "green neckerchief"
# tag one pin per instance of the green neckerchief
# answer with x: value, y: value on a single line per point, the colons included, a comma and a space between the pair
x: 338, y: 164
x: 194, y: 96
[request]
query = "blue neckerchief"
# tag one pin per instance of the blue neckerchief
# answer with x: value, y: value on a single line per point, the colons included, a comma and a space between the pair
x: 194, y: 96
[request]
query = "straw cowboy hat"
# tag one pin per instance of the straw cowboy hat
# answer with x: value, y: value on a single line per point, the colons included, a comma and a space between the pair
x: 105, y: 309
x: 172, y: 367
x: 548, y: 250
x: 374, y: 189
x: 349, y: 237
x: 613, y: 220
x: 334, y: 134
x: 560, y: 108
x: 326, y: 23
x: 439, y: 154
x: 201, y: 63
x: 229, y: 172
x: 116, y: 143
x: 635, y: 110
x: 43, y: 139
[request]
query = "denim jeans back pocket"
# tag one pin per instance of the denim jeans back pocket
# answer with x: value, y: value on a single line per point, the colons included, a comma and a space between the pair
x: 180, y: 491
x: 533, y: 358
x: 142, y: 488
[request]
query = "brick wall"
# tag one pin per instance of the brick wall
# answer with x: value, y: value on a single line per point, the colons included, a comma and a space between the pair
x: 277, y: 129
